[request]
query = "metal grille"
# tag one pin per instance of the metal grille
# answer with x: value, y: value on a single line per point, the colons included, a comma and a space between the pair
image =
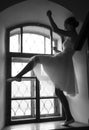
x: 21, y: 89
x: 46, y: 106
x: 23, y: 99
x: 23, y: 108
x: 20, y: 107
x: 46, y: 88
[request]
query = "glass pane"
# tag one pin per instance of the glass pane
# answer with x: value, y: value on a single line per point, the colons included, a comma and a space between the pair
x: 33, y: 43
x: 23, y: 89
x: 37, y: 30
x: 15, y: 41
x: 50, y: 107
x: 22, y: 108
x: 16, y: 67
x: 47, y: 46
x: 46, y: 88
x: 46, y: 106
x: 34, y: 39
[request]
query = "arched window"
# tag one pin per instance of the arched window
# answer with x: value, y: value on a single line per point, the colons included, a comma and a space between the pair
x: 30, y: 99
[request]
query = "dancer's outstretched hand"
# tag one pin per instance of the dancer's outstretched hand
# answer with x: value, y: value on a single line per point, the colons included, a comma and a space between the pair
x: 49, y: 13
x: 14, y: 79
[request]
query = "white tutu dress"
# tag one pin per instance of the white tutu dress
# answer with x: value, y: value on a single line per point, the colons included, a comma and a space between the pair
x: 59, y: 69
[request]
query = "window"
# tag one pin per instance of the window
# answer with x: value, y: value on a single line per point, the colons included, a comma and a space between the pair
x: 30, y: 99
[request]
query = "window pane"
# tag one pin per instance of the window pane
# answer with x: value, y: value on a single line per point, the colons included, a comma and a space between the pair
x: 50, y: 107
x: 46, y: 106
x: 46, y: 88
x: 40, y: 36
x: 17, y: 67
x: 15, y: 40
x: 33, y: 43
x: 21, y: 89
x: 37, y: 30
x: 47, y: 46
x: 23, y: 108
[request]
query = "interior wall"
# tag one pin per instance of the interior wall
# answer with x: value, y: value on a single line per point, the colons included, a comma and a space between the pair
x: 32, y: 11
x: 80, y: 104
x: 78, y: 7
x: 2, y: 75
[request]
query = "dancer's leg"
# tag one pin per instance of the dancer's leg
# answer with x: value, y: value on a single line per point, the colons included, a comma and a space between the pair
x: 65, y: 105
x: 32, y: 63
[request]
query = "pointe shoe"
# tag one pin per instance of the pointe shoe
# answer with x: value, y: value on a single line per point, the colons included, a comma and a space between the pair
x: 13, y: 79
x: 67, y: 123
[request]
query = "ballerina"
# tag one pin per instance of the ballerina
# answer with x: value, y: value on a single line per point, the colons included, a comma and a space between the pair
x: 59, y: 67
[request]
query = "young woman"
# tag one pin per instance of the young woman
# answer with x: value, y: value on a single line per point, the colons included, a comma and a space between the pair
x: 59, y: 67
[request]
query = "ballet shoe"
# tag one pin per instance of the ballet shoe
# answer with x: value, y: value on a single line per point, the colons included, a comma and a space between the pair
x: 13, y: 79
x: 67, y: 122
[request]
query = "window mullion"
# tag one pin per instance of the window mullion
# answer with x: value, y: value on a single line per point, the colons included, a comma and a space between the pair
x: 44, y: 45
x: 32, y: 95
x: 37, y: 100
x: 51, y: 39
x: 21, y: 39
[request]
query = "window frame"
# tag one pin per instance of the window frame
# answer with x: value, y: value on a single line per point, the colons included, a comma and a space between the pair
x: 9, y: 55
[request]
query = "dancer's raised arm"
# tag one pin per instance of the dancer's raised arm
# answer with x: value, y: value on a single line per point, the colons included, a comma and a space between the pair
x: 53, y: 24
x: 55, y: 28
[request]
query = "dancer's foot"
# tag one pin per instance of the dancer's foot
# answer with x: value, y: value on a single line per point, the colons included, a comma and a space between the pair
x: 13, y: 79
x: 68, y: 122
